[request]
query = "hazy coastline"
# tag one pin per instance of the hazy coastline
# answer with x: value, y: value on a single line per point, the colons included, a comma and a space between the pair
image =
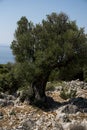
x: 6, y: 54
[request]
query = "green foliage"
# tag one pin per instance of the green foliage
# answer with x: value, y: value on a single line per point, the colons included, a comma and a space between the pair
x: 54, y: 43
x: 50, y: 87
x: 8, y: 80
x: 54, y: 76
x: 71, y: 72
x: 66, y: 95
x: 27, y: 94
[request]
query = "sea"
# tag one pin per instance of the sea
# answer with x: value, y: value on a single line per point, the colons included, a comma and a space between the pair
x: 6, y: 55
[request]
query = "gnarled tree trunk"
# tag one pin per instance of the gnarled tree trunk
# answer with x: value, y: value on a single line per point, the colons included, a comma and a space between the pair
x: 38, y: 87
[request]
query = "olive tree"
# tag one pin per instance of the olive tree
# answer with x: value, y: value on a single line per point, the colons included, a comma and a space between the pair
x: 38, y: 49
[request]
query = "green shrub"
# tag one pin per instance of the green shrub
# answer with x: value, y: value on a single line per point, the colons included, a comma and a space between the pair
x: 8, y: 81
x: 66, y: 95
x: 50, y: 87
x: 27, y: 93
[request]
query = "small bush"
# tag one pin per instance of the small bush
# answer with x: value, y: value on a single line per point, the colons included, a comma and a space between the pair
x: 9, y: 82
x: 27, y: 94
x: 66, y: 95
x: 50, y: 87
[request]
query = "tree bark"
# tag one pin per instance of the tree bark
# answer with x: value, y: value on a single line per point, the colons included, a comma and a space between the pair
x: 39, y: 86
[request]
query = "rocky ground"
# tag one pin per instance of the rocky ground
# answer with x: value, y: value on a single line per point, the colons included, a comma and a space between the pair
x: 70, y: 114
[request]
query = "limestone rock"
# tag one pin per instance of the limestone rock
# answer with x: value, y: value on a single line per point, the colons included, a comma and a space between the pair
x: 70, y: 109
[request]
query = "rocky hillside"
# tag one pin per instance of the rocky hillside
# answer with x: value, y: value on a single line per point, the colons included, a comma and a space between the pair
x: 69, y: 114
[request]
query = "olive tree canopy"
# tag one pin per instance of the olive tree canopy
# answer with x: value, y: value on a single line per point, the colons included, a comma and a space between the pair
x: 40, y: 48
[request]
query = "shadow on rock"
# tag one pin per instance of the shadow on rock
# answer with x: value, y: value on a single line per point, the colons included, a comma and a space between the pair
x: 80, y: 102
x: 72, y: 106
x: 48, y: 105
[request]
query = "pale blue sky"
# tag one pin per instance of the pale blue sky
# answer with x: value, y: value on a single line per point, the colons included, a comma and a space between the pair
x: 35, y: 10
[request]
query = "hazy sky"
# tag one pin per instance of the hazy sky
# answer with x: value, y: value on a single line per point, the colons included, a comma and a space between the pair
x: 35, y: 10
